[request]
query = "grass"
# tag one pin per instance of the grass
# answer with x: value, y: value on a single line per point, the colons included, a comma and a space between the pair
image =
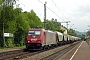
x: 12, y: 48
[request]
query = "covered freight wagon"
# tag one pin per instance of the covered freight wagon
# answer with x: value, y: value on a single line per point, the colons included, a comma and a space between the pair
x: 65, y: 38
x: 60, y: 38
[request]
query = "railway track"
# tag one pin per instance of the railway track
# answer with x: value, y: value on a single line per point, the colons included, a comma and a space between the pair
x: 52, y: 53
x: 7, y: 53
x: 59, y: 54
x: 17, y: 54
x: 38, y: 55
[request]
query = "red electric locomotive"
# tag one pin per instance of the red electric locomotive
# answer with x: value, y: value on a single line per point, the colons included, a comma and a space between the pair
x: 39, y: 38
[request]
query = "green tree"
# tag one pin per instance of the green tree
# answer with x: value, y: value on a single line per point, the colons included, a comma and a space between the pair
x: 9, y: 2
x: 72, y: 32
x: 53, y: 25
x: 88, y: 36
x: 18, y: 35
x: 34, y: 20
x: 24, y: 21
x: 88, y: 33
x: 49, y: 25
x: 6, y: 18
x: 16, y: 22
x: 1, y: 2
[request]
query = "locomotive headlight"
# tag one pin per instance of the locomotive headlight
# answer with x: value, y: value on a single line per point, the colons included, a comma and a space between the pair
x: 28, y: 41
x: 39, y: 41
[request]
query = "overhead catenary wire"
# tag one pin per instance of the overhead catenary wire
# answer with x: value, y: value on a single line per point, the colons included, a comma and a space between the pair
x: 60, y: 10
x: 58, y: 7
x: 27, y: 6
x: 52, y: 11
x: 46, y: 6
x: 55, y: 13
x: 23, y: 4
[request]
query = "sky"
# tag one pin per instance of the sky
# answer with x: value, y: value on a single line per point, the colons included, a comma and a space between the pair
x: 75, y: 11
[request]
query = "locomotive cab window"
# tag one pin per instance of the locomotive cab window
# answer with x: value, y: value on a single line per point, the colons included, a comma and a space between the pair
x: 36, y: 32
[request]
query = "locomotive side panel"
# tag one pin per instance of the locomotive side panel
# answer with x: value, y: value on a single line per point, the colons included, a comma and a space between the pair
x: 50, y: 37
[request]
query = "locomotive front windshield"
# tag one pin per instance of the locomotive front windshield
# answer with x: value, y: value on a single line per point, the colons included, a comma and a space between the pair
x: 34, y: 32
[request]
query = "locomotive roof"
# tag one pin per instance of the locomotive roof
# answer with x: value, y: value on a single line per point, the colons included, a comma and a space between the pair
x: 50, y: 31
x: 36, y: 29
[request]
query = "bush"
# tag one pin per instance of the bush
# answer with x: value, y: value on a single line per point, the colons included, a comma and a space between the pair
x: 9, y: 42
